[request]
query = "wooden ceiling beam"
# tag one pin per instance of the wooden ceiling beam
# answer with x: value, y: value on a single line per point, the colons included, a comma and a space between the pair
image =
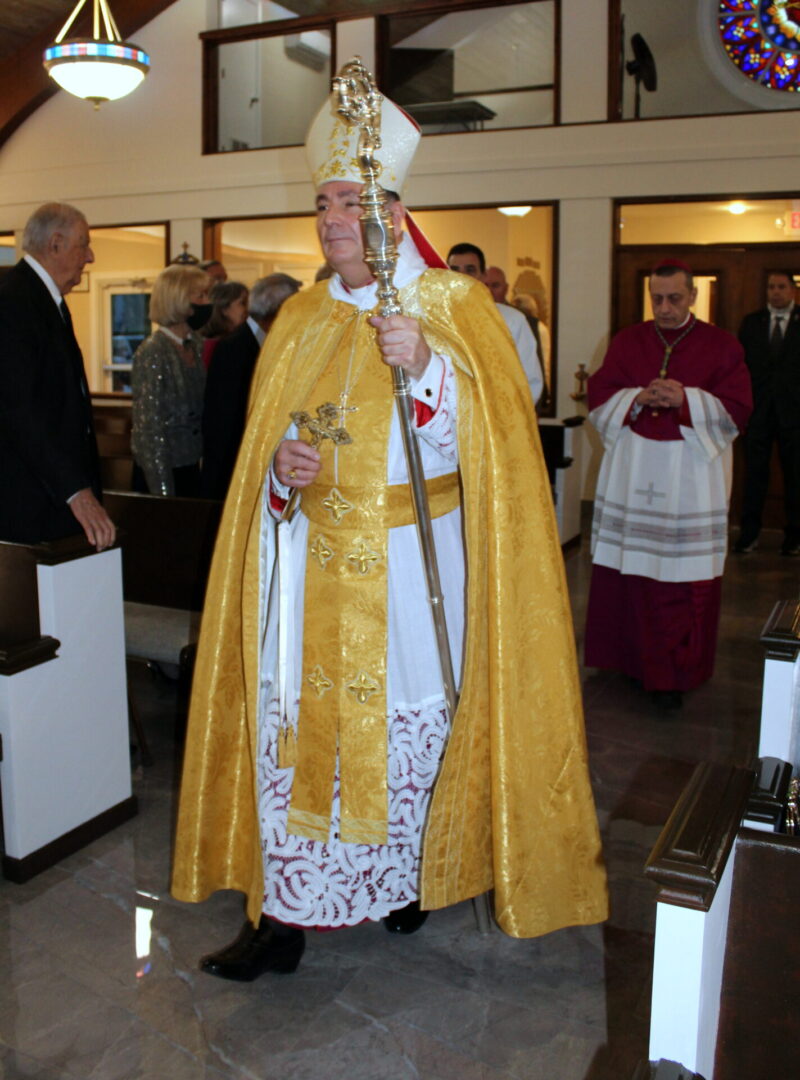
x: 24, y: 83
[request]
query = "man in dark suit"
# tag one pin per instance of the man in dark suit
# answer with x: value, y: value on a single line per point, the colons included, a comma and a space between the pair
x: 49, y: 469
x: 771, y: 340
x: 228, y: 382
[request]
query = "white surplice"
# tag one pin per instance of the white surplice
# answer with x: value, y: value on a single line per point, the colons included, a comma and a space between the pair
x: 661, y: 508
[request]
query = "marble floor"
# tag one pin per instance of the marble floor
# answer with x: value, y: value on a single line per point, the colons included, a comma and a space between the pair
x: 98, y: 963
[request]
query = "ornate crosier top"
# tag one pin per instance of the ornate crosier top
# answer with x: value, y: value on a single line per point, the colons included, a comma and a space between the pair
x: 360, y: 104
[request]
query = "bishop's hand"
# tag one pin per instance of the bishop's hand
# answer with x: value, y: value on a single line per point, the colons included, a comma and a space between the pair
x: 670, y: 393
x: 661, y: 394
x: 402, y: 344
x: 296, y: 463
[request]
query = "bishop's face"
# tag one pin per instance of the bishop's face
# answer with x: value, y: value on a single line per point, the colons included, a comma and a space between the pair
x: 671, y: 298
x: 339, y: 229
x: 338, y: 213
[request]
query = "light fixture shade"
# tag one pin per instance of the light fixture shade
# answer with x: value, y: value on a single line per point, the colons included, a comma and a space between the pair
x: 97, y: 70
x: 515, y: 211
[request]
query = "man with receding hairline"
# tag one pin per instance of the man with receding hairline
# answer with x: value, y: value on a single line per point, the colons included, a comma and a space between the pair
x: 671, y: 396
x: 49, y: 469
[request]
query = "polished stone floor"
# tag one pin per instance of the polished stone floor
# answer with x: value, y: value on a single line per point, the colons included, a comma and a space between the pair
x: 98, y: 965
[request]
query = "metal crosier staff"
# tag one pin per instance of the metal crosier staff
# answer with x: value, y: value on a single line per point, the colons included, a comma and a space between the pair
x: 360, y: 104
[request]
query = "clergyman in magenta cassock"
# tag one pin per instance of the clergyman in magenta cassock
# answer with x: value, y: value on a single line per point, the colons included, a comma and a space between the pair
x: 660, y: 528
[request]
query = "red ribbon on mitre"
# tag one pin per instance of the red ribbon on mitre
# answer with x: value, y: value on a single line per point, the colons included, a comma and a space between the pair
x: 426, y: 249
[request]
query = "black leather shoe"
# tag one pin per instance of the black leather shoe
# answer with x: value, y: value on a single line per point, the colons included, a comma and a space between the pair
x: 745, y: 544
x: 406, y: 920
x: 256, y: 951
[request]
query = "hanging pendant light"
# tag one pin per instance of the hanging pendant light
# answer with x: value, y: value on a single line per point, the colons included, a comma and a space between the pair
x: 97, y: 68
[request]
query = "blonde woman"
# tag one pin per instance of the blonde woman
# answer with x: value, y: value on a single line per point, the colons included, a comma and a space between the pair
x: 168, y: 381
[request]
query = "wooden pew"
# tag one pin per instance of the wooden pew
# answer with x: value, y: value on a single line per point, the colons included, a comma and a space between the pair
x: 167, y: 547
x: 726, y: 989
x: 112, y: 425
x: 64, y: 751
x: 726, y: 966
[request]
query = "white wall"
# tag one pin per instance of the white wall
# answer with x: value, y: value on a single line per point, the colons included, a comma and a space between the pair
x: 139, y: 159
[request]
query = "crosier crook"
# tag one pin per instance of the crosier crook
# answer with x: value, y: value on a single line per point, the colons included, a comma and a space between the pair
x: 360, y: 104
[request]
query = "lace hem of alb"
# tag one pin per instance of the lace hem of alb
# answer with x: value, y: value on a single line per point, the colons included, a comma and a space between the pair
x: 332, y: 884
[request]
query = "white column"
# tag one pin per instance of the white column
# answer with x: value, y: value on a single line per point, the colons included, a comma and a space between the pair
x: 584, y: 306
x: 584, y: 67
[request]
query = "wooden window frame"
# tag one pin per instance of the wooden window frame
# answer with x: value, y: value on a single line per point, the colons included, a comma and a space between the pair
x: 446, y: 7
x: 212, y: 40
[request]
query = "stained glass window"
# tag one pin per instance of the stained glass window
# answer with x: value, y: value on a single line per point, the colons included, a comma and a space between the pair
x: 762, y: 38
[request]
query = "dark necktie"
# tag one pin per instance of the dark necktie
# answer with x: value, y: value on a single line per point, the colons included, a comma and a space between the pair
x: 76, y: 349
x: 776, y: 337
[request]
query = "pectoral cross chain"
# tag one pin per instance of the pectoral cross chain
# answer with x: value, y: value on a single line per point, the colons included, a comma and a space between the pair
x: 344, y: 407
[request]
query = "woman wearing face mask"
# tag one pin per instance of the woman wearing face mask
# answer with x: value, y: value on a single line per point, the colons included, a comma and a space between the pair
x: 168, y: 381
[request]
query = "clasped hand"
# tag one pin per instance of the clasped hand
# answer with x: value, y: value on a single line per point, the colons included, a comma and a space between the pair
x: 662, y: 394
x: 402, y: 344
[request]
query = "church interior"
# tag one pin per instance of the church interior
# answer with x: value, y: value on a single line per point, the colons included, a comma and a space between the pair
x: 577, y: 143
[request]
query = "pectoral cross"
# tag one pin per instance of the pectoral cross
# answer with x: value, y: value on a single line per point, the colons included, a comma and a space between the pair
x: 665, y: 362
x: 327, y: 424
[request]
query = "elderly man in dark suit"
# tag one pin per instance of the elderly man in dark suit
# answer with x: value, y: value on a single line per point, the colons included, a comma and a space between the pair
x: 771, y: 340
x: 228, y: 382
x: 49, y: 469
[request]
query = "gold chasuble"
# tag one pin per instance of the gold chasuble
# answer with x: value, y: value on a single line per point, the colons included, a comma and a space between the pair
x: 351, y: 508
x: 512, y: 808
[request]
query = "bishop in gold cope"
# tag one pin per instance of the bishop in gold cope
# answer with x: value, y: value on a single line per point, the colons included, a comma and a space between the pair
x: 317, y: 632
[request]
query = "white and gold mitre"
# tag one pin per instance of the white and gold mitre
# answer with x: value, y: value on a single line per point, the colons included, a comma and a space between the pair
x: 332, y: 146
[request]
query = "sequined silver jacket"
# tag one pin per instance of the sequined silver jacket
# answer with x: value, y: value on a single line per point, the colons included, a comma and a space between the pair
x: 167, y: 409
